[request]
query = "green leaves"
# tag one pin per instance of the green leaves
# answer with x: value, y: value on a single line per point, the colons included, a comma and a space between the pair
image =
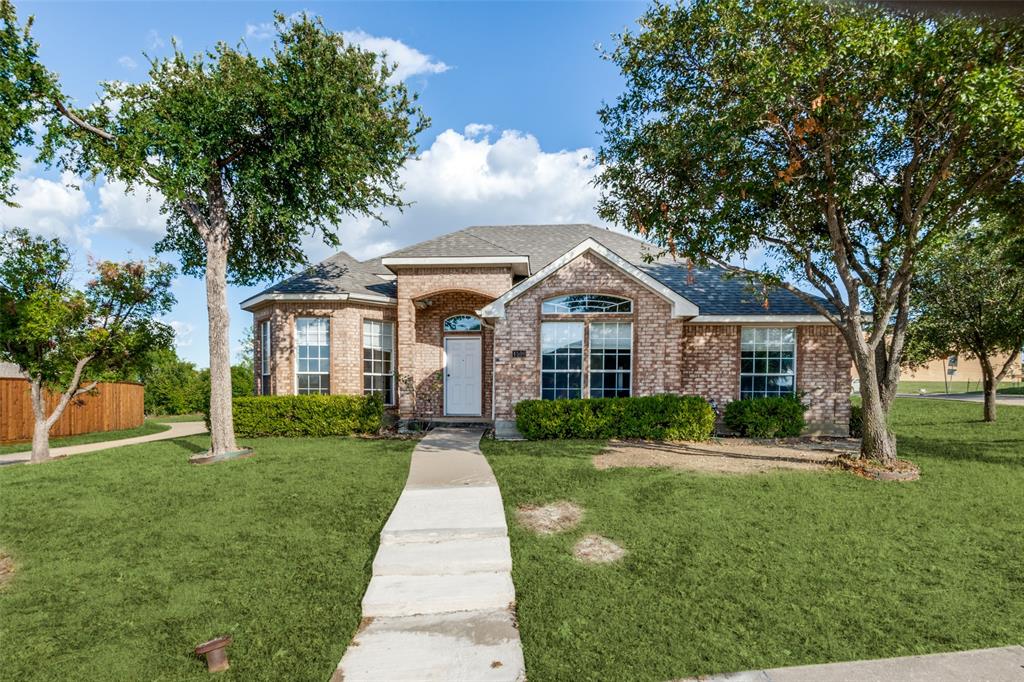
x: 48, y: 326
x: 293, y: 144
x: 24, y: 82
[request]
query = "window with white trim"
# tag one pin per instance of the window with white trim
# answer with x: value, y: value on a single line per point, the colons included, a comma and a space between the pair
x: 265, y: 357
x: 561, y: 360
x: 573, y: 304
x: 611, y: 359
x: 767, y: 362
x: 313, y: 368
x: 378, y: 359
x: 462, y: 323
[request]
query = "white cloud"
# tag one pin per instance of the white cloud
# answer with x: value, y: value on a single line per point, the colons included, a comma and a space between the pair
x: 410, y: 61
x: 49, y: 207
x: 127, y: 62
x: 477, y: 129
x: 462, y: 180
x: 133, y: 215
x: 261, y: 31
x: 154, y: 40
x: 182, y: 333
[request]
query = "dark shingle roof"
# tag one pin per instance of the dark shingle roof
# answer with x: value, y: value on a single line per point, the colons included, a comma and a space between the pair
x: 711, y: 289
x: 341, y: 273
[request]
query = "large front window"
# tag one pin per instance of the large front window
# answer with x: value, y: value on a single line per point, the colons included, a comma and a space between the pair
x: 611, y: 350
x: 767, y: 362
x: 265, y: 357
x: 313, y: 371
x: 561, y: 360
x: 378, y: 360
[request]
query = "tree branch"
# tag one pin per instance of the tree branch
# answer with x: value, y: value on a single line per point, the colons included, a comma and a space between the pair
x: 84, y: 125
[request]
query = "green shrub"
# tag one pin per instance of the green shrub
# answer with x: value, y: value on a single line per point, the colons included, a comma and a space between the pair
x: 766, y: 417
x: 855, y: 421
x: 658, y: 417
x: 306, y: 415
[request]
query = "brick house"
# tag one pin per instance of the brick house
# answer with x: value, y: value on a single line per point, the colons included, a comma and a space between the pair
x: 468, y: 324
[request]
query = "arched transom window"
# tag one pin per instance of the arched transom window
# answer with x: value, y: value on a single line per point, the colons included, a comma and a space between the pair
x: 587, y: 303
x: 462, y: 323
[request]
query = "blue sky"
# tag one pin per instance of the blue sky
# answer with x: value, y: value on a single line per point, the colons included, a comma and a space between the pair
x: 512, y: 90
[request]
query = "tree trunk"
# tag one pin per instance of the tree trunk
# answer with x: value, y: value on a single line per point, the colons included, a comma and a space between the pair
x: 222, y: 427
x: 877, y: 442
x: 991, y: 385
x: 40, y: 426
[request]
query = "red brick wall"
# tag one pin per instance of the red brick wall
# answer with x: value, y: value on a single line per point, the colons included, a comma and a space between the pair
x: 656, y: 336
x: 823, y: 374
x: 711, y: 362
x: 420, y: 340
x: 346, y: 342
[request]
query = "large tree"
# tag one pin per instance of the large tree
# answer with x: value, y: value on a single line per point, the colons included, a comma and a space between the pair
x: 839, y: 139
x: 968, y: 298
x: 249, y: 155
x: 64, y: 338
x: 21, y: 79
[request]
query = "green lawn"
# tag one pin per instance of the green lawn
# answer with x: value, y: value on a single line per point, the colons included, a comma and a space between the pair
x: 741, y: 572
x: 173, y: 418
x: 148, y: 427
x: 127, y: 559
x: 955, y: 387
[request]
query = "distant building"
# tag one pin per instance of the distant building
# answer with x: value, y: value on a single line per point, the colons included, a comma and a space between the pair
x: 965, y: 369
x: 9, y: 370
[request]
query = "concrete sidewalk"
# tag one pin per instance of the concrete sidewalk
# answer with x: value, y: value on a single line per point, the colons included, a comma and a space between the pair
x: 1001, y: 398
x: 439, y: 604
x: 177, y: 430
x: 1002, y: 664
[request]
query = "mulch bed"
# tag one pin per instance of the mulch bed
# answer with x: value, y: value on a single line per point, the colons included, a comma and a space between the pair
x: 902, y: 471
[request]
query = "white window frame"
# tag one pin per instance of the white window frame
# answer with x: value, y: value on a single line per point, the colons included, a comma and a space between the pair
x: 796, y: 348
x: 265, y: 341
x: 590, y: 358
x: 326, y: 321
x: 581, y: 370
x: 381, y: 324
x: 551, y: 301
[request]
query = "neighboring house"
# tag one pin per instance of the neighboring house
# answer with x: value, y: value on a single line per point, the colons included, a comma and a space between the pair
x: 960, y: 368
x: 472, y: 322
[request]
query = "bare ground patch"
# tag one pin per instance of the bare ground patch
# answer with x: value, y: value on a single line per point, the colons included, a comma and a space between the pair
x: 597, y: 549
x: 6, y: 569
x: 549, y: 518
x: 729, y: 455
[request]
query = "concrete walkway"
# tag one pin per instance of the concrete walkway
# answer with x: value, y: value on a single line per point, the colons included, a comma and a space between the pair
x: 1002, y: 664
x: 177, y: 430
x: 1001, y: 398
x: 439, y: 604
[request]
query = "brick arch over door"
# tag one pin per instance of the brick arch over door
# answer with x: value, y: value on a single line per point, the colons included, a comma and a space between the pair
x: 421, y: 353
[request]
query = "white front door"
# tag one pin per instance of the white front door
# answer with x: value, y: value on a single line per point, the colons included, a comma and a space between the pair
x: 462, y: 376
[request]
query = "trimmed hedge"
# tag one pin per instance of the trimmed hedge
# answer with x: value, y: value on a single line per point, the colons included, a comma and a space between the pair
x: 658, y: 417
x: 856, y: 419
x: 766, y: 417
x: 307, y: 415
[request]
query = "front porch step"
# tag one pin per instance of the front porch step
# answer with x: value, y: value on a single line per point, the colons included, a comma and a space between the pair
x: 456, y: 557
x: 414, y: 595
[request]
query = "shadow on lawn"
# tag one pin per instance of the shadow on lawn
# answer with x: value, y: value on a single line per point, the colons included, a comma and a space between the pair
x: 184, y: 444
x: 1002, y: 451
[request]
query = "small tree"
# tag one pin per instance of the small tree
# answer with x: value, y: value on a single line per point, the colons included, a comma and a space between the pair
x: 839, y: 139
x: 173, y: 386
x: 63, y: 338
x: 969, y: 298
x: 249, y: 155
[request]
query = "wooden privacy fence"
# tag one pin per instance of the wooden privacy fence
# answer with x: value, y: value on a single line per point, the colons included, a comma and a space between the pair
x: 110, y: 407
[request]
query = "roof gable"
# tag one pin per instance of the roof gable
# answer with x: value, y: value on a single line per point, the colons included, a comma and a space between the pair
x: 681, y: 307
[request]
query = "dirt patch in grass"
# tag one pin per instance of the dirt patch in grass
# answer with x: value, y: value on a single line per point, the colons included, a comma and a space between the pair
x: 729, y: 455
x: 550, y: 518
x: 6, y: 569
x: 596, y: 549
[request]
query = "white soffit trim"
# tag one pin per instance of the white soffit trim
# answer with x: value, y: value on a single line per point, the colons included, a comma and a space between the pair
x: 760, y: 319
x: 250, y: 303
x: 681, y: 307
x: 520, y: 264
